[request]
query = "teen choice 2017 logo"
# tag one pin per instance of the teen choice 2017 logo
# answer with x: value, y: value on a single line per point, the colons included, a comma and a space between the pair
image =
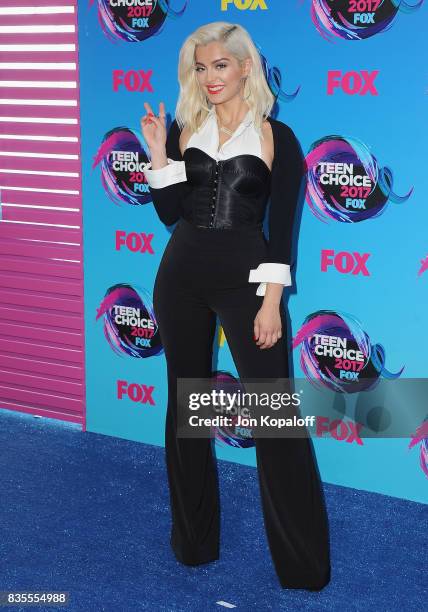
x: 357, y: 19
x: 134, y: 20
x: 234, y: 435
x: 130, y: 325
x: 335, y: 352
x: 121, y: 158
x: 345, y: 183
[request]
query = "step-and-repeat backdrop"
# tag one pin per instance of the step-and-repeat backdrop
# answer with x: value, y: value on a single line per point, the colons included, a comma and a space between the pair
x: 350, y: 78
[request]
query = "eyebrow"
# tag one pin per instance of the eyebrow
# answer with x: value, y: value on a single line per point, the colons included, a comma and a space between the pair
x: 217, y: 60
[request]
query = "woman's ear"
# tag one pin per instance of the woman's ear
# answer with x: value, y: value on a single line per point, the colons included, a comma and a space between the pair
x: 248, y: 64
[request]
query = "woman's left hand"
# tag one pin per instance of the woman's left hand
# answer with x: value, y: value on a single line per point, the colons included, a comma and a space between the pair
x: 267, y: 326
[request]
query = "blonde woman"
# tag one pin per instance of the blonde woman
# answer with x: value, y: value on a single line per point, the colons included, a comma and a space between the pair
x: 213, y: 172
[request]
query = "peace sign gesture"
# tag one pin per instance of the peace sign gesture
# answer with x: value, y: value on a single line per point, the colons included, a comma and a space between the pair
x: 154, y: 128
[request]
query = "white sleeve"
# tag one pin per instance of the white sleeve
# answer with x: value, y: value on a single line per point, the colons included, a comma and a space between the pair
x: 270, y: 273
x: 174, y: 172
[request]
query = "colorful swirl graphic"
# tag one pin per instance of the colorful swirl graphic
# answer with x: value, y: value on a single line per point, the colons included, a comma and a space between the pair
x: 229, y: 436
x: 274, y: 78
x: 337, y: 353
x: 133, y: 22
x: 424, y: 266
x: 357, y: 19
x: 121, y: 157
x: 130, y: 325
x: 421, y: 437
x: 344, y: 182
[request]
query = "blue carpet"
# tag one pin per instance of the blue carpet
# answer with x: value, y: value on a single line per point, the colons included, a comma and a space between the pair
x: 89, y: 514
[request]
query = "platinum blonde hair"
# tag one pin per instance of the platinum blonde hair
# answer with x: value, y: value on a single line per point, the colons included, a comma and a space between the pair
x: 192, y: 105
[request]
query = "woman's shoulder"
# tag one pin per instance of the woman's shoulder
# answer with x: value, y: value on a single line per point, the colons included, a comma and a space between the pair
x: 177, y: 137
x: 174, y: 127
x: 286, y: 146
x: 176, y: 131
x: 281, y: 129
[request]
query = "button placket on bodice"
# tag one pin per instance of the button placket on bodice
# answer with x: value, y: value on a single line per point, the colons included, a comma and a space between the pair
x: 218, y: 153
x: 214, y: 197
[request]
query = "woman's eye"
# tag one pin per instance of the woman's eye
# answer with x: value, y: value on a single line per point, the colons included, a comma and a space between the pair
x: 199, y: 68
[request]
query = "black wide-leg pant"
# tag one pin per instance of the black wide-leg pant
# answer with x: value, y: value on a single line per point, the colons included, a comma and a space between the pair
x: 204, y: 273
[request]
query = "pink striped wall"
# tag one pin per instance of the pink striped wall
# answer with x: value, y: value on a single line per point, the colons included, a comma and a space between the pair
x: 42, y: 359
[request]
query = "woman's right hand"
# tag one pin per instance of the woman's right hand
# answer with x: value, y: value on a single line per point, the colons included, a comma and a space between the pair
x: 154, y: 128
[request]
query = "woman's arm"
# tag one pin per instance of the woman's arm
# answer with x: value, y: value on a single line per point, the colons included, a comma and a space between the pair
x: 286, y: 180
x: 167, y: 183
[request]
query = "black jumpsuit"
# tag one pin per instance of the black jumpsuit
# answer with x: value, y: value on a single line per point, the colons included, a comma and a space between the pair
x: 204, y: 273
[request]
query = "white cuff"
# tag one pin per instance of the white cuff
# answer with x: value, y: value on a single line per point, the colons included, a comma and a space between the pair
x: 270, y: 273
x: 174, y: 172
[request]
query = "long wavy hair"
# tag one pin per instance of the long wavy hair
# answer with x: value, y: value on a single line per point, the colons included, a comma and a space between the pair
x: 192, y: 105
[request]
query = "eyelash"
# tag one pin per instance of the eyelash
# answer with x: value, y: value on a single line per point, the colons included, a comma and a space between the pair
x: 199, y: 67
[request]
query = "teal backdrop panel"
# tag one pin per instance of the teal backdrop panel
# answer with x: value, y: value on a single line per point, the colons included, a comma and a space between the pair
x: 350, y: 79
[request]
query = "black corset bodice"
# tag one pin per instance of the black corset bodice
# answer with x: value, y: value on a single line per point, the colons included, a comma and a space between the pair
x: 225, y: 194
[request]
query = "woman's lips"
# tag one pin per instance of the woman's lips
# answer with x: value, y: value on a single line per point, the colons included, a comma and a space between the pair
x: 214, y: 90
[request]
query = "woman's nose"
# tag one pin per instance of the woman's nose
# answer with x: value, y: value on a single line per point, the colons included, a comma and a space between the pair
x: 210, y: 76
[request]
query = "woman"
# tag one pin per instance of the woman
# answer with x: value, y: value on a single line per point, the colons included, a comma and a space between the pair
x: 213, y: 172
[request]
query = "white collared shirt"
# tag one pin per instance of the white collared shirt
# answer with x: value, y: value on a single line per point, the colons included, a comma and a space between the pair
x: 245, y: 139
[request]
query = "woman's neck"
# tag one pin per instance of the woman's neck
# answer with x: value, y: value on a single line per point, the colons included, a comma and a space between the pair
x: 230, y: 115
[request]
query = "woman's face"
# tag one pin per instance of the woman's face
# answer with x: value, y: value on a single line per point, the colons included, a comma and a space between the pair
x: 218, y: 72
